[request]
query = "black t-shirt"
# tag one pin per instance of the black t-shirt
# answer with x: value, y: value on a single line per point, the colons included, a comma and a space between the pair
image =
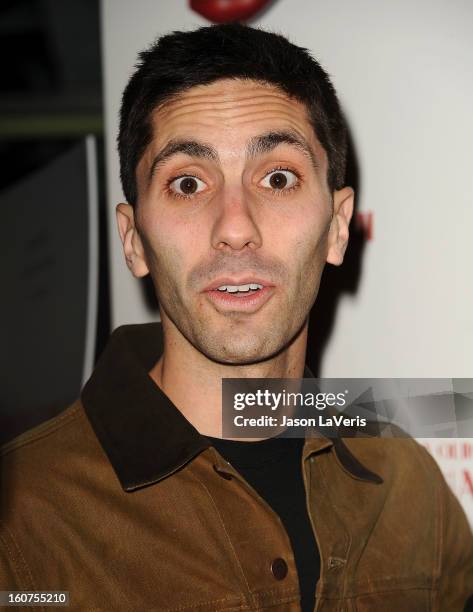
x: 273, y: 468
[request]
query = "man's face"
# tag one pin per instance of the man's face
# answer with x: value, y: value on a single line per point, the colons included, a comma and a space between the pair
x: 233, y: 192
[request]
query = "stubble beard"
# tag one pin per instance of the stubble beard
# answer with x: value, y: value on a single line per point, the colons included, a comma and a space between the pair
x: 233, y: 340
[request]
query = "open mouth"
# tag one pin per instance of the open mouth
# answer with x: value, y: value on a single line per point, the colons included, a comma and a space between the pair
x: 240, y: 290
x: 245, y: 298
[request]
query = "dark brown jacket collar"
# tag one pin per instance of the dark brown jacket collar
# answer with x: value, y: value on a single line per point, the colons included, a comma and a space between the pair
x: 144, y: 435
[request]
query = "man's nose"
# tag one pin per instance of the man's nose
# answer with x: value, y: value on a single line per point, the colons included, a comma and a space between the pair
x: 235, y: 225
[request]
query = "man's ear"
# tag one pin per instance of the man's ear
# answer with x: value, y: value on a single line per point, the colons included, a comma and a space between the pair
x: 343, y: 203
x: 132, y: 245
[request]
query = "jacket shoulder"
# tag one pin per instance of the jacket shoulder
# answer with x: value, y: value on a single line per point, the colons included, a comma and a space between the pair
x: 422, y: 499
x: 40, y: 454
x: 45, y: 429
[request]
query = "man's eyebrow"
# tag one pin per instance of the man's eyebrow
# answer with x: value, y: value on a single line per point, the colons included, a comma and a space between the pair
x: 256, y: 146
x: 264, y: 143
x: 193, y: 148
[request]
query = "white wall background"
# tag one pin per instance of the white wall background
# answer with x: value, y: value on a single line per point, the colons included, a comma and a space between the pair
x: 403, y: 73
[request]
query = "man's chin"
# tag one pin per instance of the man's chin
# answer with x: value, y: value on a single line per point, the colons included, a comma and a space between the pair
x: 244, y: 350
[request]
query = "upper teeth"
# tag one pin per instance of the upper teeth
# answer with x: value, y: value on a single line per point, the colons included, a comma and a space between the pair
x: 235, y: 288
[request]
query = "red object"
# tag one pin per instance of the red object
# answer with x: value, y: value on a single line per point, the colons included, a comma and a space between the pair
x: 223, y: 11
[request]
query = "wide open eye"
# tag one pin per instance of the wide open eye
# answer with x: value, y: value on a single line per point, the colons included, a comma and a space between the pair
x: 186, y: 185
x: 280, y: 179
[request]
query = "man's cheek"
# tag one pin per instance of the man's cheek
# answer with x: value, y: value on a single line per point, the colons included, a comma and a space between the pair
x: 163, y: 252
x: 163, y: 264
x: 312, y: 255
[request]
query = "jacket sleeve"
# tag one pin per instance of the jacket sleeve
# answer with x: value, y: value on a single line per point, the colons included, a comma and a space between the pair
x: 8, y: 580
x: 15, y: 574
x: 456, y: 548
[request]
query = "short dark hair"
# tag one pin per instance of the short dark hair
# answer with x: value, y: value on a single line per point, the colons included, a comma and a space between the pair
x: 181, y: 60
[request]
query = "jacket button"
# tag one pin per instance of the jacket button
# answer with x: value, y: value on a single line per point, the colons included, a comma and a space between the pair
x: 279, y: 568
x: 223, y: 474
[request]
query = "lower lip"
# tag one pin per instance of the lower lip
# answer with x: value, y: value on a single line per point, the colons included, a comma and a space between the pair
x: 246, y: 302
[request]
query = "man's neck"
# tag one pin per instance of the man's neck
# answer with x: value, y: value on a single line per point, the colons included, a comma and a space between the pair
x: 193, y: 382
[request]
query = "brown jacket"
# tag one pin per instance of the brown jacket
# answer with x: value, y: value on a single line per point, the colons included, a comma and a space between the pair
x: 121, y: 502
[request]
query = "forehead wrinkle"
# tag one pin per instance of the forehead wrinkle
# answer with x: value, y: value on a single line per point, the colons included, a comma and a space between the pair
x: 212, y: 103
x: 232, y: 111
x: 222, y: 94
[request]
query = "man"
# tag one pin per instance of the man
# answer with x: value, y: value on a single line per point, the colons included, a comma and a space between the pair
x: 232, y: 150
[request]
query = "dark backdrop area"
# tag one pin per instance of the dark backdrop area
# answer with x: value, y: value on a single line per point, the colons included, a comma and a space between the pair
x: 50, y: 100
